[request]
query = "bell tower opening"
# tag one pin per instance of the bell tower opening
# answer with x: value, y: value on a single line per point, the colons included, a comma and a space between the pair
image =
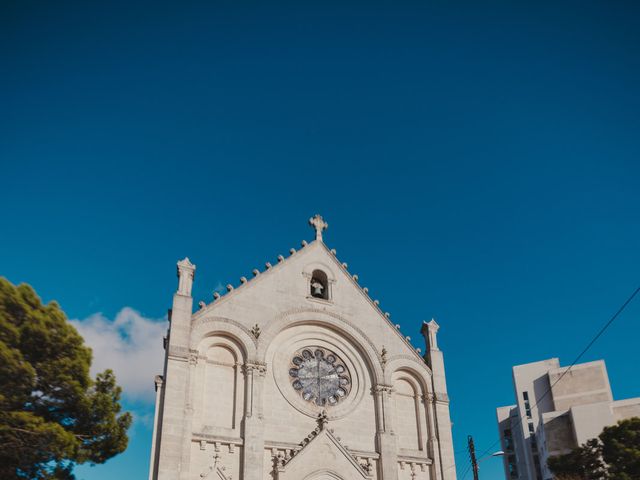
x: 319, y: 285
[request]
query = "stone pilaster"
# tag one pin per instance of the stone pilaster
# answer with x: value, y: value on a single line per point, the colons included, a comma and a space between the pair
x: 385, y: 437
x: 188, y: 416
x: 253, y: 424
x: 433, y: 445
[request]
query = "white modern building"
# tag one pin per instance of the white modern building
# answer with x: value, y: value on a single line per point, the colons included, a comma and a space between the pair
x: 547, y: 422
x: 297, y: 374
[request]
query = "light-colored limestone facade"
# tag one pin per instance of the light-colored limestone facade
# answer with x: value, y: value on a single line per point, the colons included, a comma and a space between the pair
x: 546, y: 423
x: 297, y: 374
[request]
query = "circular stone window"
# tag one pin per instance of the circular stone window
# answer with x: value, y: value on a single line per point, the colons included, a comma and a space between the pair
x: 319, y: 376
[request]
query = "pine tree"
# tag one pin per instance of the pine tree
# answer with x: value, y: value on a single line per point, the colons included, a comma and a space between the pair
x: 53, y: 415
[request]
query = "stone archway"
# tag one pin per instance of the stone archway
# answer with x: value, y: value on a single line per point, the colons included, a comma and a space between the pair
x: 323, y: 476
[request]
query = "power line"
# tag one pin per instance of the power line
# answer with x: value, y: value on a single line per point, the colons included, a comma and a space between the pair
x: 577, y: 359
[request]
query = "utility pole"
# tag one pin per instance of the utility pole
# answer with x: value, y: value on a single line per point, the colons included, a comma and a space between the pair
x: 472, y: 456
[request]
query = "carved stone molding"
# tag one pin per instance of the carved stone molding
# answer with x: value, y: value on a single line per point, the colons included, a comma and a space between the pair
x: 364, y: 336
x: 201, y: 323
x: 178, y: 353
x: 259, y: 367
x: 441, y: 397
x: 193, y: 357
x: 428, y: 398
x: 381, y: 388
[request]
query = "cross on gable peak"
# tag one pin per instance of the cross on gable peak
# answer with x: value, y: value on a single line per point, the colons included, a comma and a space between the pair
x: 318, y: 223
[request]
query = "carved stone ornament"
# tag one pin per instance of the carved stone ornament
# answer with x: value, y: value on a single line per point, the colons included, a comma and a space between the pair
x: 381, y: 388
x: 193, y: 358
x: 383, y: 356
x: 255, y: 331
x: 258, y: 367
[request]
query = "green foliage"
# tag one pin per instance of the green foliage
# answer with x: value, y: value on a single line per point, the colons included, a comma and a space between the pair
x: 621, y: 449
x: 52, y: 414
x: 583, y: 463
x: 614, y: 455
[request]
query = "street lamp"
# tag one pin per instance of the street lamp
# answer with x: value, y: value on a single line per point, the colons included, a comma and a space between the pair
x: 499, y: 453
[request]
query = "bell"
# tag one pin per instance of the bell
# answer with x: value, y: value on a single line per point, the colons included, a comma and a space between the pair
x: 317, y: 288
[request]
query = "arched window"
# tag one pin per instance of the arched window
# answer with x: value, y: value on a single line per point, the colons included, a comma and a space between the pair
x: 319, y: 285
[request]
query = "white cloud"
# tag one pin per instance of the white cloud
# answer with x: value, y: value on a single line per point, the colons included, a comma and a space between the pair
x: 130, y: 345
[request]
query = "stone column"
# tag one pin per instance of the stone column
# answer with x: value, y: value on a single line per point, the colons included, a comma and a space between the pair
x: 386, y: 439
x: 253, y: 422
x: 157, y: 421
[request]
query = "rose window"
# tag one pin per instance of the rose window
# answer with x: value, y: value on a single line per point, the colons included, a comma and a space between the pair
x: 320, y: 376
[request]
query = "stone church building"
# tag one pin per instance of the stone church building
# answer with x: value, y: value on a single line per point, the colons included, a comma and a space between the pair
x: 297, y: 374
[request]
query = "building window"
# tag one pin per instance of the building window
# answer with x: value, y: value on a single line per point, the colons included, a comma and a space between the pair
x: 513, y: 466
x: 319, y: 285
x: 508, y: 439
x: 527, y: 406
x: 531, y: 429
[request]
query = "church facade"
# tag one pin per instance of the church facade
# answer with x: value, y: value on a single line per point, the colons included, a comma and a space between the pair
x: 297, y: 374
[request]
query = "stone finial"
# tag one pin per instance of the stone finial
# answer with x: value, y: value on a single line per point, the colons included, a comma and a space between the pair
x: 201, y: 304
x: 292, y: 251
x: 322, y: 420
x: 255, y: 331
x: 280, y: 259
x: 216, y: 295
x: 429, y: 331
x: 255, y: 272
x: 186, y: 272
x: 243, y: 280
x: 229, y: 287
x: 319, y: 224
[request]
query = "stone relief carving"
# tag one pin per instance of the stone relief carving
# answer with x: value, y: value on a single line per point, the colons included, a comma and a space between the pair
x: 255, y: 331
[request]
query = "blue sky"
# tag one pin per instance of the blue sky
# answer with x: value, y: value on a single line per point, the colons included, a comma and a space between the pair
x: 477, y: 162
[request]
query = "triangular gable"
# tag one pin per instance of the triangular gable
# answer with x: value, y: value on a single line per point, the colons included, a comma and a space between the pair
x: 215, y: 471
x: 328, y: 255
x: 321, y: 452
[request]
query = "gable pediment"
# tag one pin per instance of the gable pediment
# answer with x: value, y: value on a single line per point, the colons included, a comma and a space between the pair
x: 285, y: 286
x: 321, y: 455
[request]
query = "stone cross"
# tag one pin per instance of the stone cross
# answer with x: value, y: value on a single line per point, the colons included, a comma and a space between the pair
x: 319, y: 224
